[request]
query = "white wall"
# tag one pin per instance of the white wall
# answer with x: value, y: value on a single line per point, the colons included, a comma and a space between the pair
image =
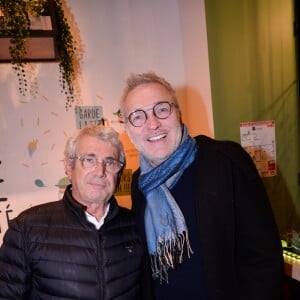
x: 118, y: 37
x: 196, y: 66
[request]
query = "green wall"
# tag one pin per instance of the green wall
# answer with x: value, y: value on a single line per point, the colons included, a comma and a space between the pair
x: 252, y: 56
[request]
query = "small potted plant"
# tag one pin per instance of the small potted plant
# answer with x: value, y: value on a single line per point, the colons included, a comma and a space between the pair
x: 15, y: 24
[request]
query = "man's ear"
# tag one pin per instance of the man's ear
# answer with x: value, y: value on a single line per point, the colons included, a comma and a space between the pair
x: 68, y: 167
x: 180, y: 116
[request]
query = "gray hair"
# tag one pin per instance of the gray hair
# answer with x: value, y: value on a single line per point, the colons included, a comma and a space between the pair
x: 106, y: 134
x: 134, y: 80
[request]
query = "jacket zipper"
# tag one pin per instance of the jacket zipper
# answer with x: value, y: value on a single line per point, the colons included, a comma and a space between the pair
x: 100, y: 265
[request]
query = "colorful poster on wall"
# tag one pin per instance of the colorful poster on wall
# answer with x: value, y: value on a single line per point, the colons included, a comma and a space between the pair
x: 258, y: 139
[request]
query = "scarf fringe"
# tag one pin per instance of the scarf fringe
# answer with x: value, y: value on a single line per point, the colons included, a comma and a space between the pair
x: 169, y: 255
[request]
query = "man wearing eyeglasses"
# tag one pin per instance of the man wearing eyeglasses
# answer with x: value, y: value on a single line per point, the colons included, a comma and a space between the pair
x: 200, y: 204
x: 84, y: 246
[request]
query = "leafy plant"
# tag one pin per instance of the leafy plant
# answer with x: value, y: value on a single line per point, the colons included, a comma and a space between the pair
x: 15, y: 24
x: 67, y: 51
x: 296, y: 241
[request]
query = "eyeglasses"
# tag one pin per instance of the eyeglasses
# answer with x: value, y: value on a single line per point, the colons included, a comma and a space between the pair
x: 161, y: 110
x: 109, y: 164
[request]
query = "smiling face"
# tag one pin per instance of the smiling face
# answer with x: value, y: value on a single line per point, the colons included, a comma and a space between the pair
x: 92, y: 185
x: 157, y: 139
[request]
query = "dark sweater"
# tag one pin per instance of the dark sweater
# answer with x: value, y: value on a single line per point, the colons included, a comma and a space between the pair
x: 190, y: 273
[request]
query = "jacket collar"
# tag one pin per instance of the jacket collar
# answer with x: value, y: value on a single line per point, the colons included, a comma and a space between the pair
x: 79, y: 209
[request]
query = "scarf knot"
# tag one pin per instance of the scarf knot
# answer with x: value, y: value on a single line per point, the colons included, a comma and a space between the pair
x: 166, y: 230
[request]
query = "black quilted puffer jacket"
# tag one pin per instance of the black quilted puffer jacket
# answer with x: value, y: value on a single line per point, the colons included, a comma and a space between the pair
x: 52, y: 252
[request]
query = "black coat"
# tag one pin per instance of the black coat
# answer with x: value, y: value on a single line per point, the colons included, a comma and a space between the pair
x: 52, y: 252
x: 240, y: 243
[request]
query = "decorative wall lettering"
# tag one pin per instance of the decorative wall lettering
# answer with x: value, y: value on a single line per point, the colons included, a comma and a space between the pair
x: 88, y: 115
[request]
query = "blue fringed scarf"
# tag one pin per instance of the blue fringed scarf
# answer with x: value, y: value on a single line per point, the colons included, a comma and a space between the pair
x: 166, y: 230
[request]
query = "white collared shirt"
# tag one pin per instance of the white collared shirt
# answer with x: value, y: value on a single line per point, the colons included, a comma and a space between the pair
x: 94, y: 221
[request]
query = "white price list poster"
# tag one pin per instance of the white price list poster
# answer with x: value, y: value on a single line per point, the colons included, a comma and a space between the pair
x: 258, y: 139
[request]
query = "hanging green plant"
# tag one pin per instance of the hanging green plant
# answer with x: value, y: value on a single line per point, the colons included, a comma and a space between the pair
x: 66, y: 49
x: 15, y: 23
